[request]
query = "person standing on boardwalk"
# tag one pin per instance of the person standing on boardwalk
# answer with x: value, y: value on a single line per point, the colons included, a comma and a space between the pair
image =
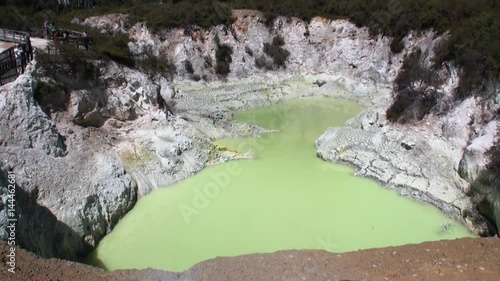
x: 28, y: 49
x: 65, y: 36
x: 20, y: 59
x: 45, y: 28
x: 86, y: 39
x: 53, y: 31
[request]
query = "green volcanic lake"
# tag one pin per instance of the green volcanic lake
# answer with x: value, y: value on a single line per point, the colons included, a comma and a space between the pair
x: 286, y: 198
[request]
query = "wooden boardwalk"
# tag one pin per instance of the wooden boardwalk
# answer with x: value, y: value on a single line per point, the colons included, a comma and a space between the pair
x: 10, y: 67
x: 13, y: 36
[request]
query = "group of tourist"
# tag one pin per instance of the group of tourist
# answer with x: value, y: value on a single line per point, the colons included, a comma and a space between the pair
x: 24, y: 54
x: 50, y: 31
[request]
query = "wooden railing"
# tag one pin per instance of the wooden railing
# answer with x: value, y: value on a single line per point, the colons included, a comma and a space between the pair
x: 11, y: 67
x: 74, y: 37
x: 12, y: 35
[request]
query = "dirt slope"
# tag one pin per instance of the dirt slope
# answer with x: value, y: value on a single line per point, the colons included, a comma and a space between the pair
x: 462, y: 259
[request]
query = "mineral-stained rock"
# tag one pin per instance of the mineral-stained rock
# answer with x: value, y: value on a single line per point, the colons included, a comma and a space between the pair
x: 69, y: 193
x: 418, y: 163
x: 80, y: 169
x: 475, y: 159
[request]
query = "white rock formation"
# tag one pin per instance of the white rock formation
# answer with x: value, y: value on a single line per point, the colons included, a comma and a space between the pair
x: 82, y: 168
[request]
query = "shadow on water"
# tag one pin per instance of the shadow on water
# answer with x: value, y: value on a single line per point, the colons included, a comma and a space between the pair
x: 93, y: 260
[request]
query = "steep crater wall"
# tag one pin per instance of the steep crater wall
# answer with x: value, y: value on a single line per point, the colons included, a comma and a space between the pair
x: 82, y: 166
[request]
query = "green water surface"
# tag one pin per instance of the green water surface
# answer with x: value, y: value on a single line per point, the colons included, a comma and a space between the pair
x: 287, y: 198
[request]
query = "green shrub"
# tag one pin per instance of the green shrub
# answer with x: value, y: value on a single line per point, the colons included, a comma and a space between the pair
x: 415, y: 91
x: 493, y: 167
x: 153, y: 65
x: 188, y: 66
x: 249, y: 51
x: 474, y: 25
x: 208, y: 61
x: 276, y: 51
x: 204, y: 13
x: 262, y: 63
x: 112, y: 46
x: 104, y: 47
x: 397, y: 45
x: 196, y: 77
x: 475, y: 47
x: 50, y: 96
x: 223, y: 56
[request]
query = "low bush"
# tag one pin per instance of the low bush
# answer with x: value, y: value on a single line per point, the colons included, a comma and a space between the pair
x: 276, y: 51
x: 204, y: 13
x: 112, y: 46
x: 478, y: 55
x: 474, y: 26
x: 153, y: 65
x: 397, y: 45
x: 208, y: 61
x: 249, y: 51
x: 50, y: 96
x: 494, y: 166
x: 188, y: 66
x: 223, y: 56
x: 262, y: 63
x: 415, y: 91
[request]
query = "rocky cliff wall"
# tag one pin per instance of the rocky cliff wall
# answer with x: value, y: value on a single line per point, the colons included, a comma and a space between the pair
x: 82, y: 167
x: 435, y: 160
x: 70, y: 191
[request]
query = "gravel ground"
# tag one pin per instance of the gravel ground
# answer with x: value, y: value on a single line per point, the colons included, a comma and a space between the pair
x: 461, y: 259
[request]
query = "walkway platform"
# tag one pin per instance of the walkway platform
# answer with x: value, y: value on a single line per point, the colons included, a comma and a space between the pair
x: 5, y: 46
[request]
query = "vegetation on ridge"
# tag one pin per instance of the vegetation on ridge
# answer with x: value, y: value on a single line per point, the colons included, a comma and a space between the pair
x: 223, y: 56
x: 474, y: 43
x: 276, y: 52
x: 416, y: 91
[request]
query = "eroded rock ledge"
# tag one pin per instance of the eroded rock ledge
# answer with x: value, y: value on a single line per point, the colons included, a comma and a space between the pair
x: 418, y: 162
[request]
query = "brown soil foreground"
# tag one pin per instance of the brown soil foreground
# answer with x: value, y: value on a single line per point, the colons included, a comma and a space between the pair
x: 462, y: 259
